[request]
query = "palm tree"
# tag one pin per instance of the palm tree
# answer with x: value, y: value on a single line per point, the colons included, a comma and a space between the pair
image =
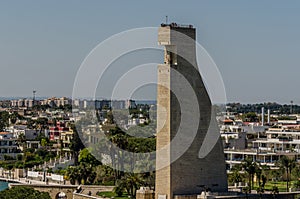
x: 73, y: 175
x: 258, y: 174
x: 251, y: 168
x: 87, y: 173
x: 236, y: 177
x: 265, y: 172
x: 131, y: 182
x: 287, y: 164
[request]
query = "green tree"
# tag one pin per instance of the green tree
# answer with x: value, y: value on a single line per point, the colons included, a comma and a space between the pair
x: 296, y: 173
x: 251, y: 168
x: 22, y: 192
x: 73, y: 175
x: 263, y: 174
x: 4, y: 120
x: 86, y: 157
x: 104, y: 175
x: 42, y: 124
x: 235, y: 177
x: 14, y: 117
x: 118, y: 138
x: 296, y: 184
x: 131, y: 182
x: 87, y: 173
x: 76, y: 144
x: 287, y: 164
x: 81, y: 174
x: 44, y: 142
x: 250, y: 117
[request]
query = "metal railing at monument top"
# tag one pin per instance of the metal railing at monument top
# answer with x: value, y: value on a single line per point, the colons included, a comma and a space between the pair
x: 175, y: 25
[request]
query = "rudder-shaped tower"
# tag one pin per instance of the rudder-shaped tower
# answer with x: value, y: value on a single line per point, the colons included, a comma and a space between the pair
x: 188, y: 174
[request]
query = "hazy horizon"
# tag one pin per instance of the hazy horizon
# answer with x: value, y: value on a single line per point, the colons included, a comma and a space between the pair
x: 136, y: 99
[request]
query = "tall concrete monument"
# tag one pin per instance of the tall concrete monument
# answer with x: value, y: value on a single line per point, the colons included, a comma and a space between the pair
x: 184, y: 120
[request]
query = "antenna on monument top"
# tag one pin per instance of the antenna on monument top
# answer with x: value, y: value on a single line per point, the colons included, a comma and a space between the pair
x: 166, y: 19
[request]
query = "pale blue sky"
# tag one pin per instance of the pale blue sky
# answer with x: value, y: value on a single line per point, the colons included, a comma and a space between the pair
x: 255, y: 44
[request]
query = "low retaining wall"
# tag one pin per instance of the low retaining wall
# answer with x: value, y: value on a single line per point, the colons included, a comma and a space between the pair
x: 228, y: 195
x: 83, y: 196
x: 294, y: 195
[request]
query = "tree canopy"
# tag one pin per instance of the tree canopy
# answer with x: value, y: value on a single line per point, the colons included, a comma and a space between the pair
x: 21, y: 192
x: 4, y: 120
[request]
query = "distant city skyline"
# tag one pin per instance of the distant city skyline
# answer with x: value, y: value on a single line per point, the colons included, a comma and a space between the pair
x: 137, y: 100
x: 254, y: 44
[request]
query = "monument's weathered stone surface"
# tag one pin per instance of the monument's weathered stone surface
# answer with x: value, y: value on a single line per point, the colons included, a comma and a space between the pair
x: 188, y: 174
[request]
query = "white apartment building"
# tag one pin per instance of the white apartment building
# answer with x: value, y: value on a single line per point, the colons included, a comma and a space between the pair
x: 280, y: 140
x: 8, y: 145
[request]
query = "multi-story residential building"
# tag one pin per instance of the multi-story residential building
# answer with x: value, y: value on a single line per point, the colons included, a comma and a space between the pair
x: 21, y: 103
x: 234, y: 157
x: 90, y: 104
x: 118, y: 104
x: 62, y: 134
x: 130, y: 104
x: 100, y: 104
x: 33, y: 144
x: 56, y: 102
x: 284, y: 139
x: 31, y: 134
x: 78, y: 103
x: 63, y: 101
x: 29, y: 103
x: 136, y: 121
x: 267, y: 146
x: 8, y: 145
x: 232, y: 134
x: 55, y: 132
x: 104, y: 103
x: 66, y: 138
x: 14, y: 103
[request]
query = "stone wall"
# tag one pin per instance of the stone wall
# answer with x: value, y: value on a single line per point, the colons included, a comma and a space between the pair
x: 69, y: 190
x: 144, y: 193
x: 265, y: 196
x: 83, y: 196
x: 228, y: 195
